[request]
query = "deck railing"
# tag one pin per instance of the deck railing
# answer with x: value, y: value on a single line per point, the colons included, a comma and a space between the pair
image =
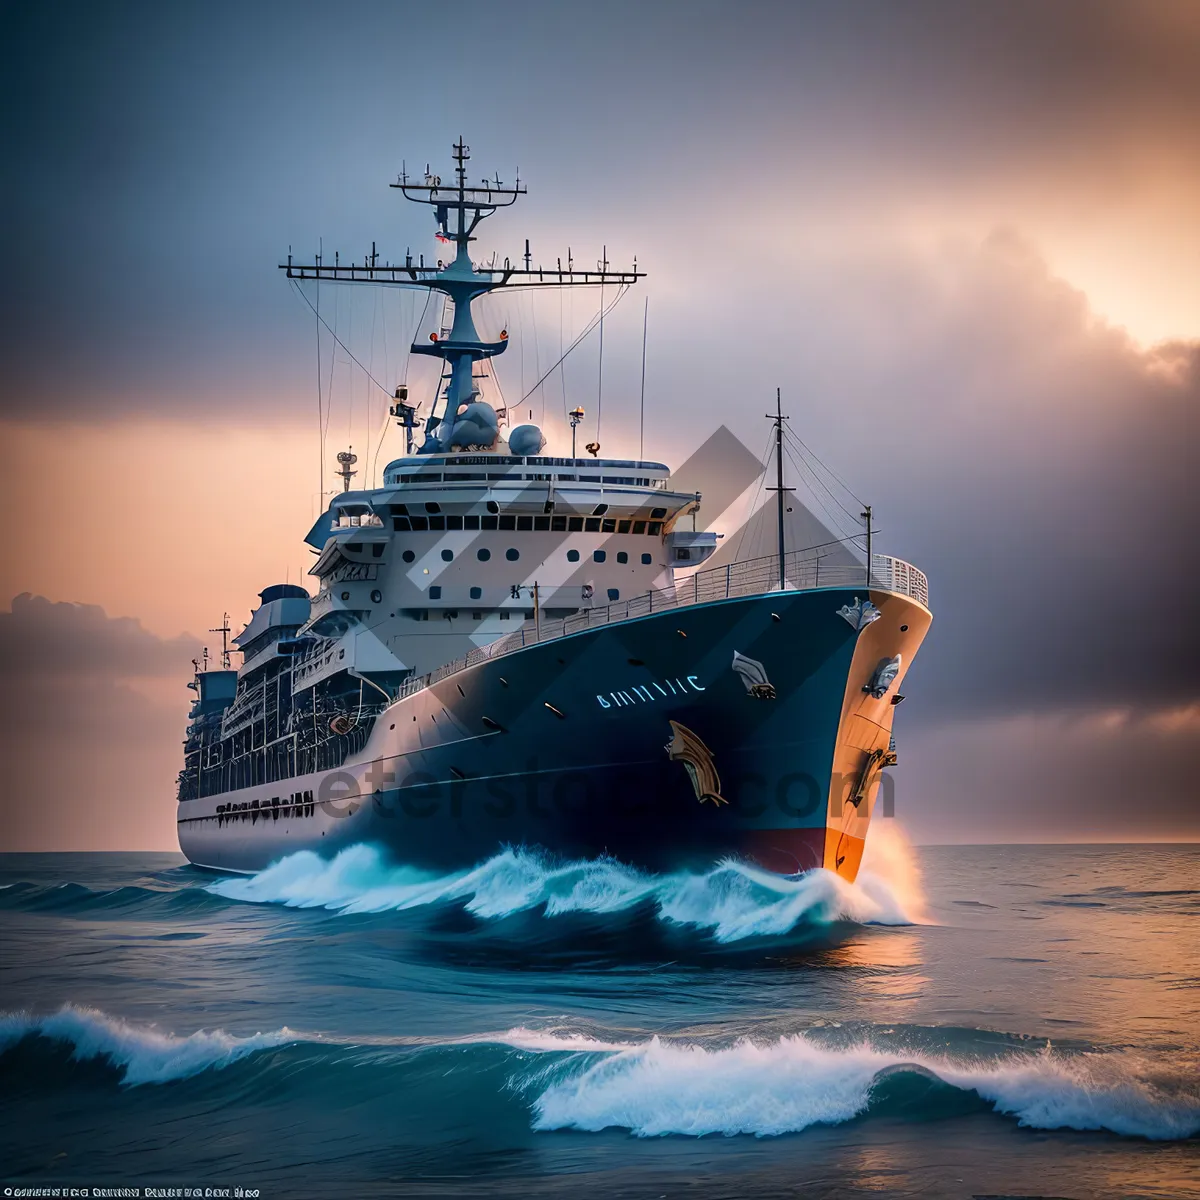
x: 803, y: 571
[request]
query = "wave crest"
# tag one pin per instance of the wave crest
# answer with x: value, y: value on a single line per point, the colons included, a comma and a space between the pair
x: 657, y: 1088
x: 140, y: 1054
x: 732, y: 901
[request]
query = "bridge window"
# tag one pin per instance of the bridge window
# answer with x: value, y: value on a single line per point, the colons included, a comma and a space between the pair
x: 639, y: 527
x: 599, y: 510
x: 453, y: 522
x: 431, y: 507
x: 558, y: 524
x: 470, y: 522
x: 541, y: 523
x: 488, y: 522
x: 524, y: 522
x: 592, y: 524
x: 658, y: 513
x: 575, y: 524
x: 655, y: 528
x: 508, y: 522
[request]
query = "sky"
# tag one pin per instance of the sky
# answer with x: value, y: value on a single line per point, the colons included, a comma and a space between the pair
x: 960, y: 238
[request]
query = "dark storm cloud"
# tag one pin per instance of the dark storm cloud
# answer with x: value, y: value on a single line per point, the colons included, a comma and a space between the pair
x: 1038, y: 465
x: 42, y: 639
x: 159, y: 159
x: 90, y: 761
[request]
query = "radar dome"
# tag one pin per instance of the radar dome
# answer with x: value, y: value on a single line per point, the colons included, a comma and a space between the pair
x: 526, y: 439
x: 475, y: 425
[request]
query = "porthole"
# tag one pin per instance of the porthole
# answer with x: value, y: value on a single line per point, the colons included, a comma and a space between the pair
x: 345, y: 595
x: 614, y: 594
x: 447, y: 556
x: 408, y: 556
x: 483, y: 554
x: 431, y: 507
x: 903, y: 628
x: 622, y: 557
x: 572, y: 556
x: 512, y: 555
x: 376, y: 597
x: 646, y: 560
x: 476, y: 594
x: 599, y: 555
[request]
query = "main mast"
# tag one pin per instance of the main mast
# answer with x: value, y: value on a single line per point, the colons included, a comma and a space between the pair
x: 462, y: 421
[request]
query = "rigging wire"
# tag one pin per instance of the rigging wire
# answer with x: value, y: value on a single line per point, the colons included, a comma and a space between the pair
x: 816, y: 458
x: 537, y: 355
x: 813, y: 462
x: 830, y: 518
x: 300, y: 292
x: 320, y: 402
x: 764, y: 458
x: 587, y: 329
x: 563, y: 373
x: 815, y: 488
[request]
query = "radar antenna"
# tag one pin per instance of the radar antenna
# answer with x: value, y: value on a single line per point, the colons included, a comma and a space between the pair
x: 576, y: 414
x: 346, y: 460
x: 457, y: 209
x: 224, y: 630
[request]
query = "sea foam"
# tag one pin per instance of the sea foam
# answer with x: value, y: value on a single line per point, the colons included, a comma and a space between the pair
x: 732, y: 901
x: 141, y: 1054
x: 656, y: 1088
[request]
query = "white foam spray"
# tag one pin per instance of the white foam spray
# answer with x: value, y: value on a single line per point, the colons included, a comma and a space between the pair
x: 732, y: 901
x: 141, y: 1053
x: 765, y: 1089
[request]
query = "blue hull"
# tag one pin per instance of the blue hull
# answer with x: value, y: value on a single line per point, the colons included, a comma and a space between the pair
x: 638, y: 740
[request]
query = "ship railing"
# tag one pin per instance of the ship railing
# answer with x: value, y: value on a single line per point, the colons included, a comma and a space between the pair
x: 803, y: 571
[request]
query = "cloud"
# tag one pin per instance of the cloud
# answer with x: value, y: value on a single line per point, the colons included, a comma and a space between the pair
x: 1102, y: 775
x: 153, y: 209
x: 43, y: 639
x: 90, y: 729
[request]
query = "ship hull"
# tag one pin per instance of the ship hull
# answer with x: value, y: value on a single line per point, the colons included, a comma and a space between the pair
x: 640, y: 740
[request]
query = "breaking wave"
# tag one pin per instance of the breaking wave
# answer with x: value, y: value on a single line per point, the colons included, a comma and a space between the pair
x: 733, y: 901
x: 562, y: 1079
x: 138, y: 1053
x: 657, y: 1088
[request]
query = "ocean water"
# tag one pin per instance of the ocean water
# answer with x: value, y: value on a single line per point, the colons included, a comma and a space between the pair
x: 963, y: 1021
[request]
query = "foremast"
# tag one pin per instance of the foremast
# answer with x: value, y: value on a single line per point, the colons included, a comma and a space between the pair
x: 458, y: 210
